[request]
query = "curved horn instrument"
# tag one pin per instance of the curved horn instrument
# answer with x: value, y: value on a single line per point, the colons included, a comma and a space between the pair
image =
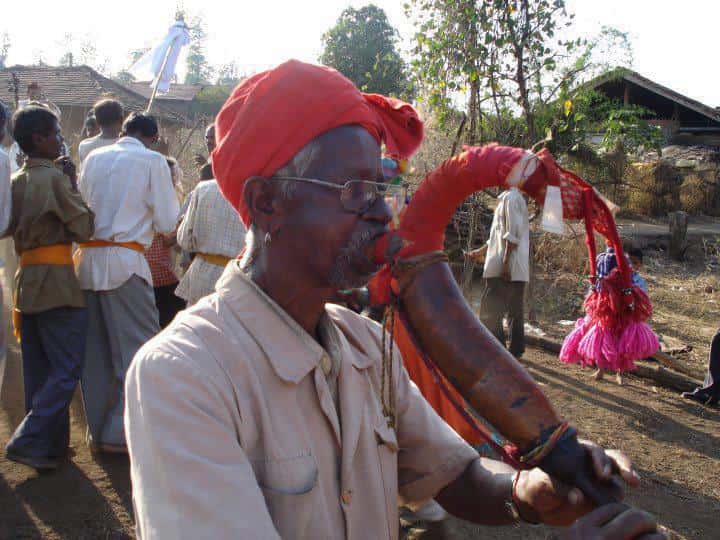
x: 444, y: 326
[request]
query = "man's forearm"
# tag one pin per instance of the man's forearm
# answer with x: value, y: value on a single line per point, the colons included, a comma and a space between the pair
x: 480, y: 494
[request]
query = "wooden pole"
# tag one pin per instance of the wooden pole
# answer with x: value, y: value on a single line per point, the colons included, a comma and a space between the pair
x: 678, y: 224
x: 159, y: 77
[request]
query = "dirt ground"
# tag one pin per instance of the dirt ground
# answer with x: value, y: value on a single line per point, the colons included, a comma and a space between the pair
x: 676, y: 446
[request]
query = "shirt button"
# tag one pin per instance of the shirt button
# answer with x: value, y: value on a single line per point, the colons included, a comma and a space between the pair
x: 346, y: 496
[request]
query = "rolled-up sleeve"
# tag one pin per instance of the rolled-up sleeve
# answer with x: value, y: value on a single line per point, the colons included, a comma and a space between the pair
x: 191, y: 478
x: 431, y: 453
x: 186, y: 230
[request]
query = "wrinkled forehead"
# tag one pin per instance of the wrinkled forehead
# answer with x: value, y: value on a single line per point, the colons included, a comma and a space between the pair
x: 346, y: 152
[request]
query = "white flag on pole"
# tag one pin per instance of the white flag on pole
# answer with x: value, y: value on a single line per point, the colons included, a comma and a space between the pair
x: 166, y: 53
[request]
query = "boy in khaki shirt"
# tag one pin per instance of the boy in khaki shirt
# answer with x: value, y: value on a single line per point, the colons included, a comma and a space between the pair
x: 48, y: 215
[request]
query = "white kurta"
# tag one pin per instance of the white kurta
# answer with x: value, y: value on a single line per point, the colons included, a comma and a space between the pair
x: 510, y: 224
x: 130, y: 189
x: 211, y: 226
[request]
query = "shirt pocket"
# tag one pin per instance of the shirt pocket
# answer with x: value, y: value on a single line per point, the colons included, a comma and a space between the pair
x: 387, y: 448
x: 288, y: 486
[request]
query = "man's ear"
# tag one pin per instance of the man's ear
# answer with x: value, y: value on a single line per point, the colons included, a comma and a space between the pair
x: 261, y: 200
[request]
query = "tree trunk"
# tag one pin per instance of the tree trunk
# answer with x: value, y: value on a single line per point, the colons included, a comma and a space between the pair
x: 678, y: 235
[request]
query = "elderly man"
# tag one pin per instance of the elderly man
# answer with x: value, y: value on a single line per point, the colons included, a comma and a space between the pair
x: 258, y: 413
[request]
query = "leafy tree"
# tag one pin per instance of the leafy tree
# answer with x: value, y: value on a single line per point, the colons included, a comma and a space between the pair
x: 363, y: 46
x: 199, y: 70
x: 210, y: 99
x: 503, y: 51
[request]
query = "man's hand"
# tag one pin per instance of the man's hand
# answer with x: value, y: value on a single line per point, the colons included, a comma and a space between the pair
x: 68, y: 168
x: 542, y: 498
x: 477, y: 255
x: 614, y: 522
x: 200, y: 160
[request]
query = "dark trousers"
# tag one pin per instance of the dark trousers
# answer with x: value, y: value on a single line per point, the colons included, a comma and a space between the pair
x: 499, y: 298
x: 167, y: 303
x: 712, y: 379
x: 53, y: 353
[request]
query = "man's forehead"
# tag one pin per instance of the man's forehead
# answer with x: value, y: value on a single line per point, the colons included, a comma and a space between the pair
x: 348, y: 151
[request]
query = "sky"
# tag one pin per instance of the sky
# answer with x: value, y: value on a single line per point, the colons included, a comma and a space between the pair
x: 672, y: 39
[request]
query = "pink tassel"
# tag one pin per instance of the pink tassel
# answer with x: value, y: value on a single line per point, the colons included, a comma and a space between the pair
x: 598, y: 348
x: 636, y: 342
x: 590, y: 346
x: 569, y: 353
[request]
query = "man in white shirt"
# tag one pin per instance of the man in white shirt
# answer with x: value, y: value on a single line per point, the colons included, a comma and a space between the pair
x: 211, y: 229
x: 507, y: 270
x: 109, y: 116
x: 129, y: 188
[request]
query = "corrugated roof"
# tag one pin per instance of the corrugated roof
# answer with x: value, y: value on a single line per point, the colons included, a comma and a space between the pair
x: 79, y: 86
x: 177, y: 92
x: 652, y: 86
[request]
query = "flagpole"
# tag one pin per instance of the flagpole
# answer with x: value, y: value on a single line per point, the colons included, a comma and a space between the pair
x: 159, y: 77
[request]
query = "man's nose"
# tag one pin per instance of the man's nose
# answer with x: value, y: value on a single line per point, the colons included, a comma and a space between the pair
x: 379, y: 212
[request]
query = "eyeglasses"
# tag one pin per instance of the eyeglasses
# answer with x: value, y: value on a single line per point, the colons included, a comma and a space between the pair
x: 358, y: 196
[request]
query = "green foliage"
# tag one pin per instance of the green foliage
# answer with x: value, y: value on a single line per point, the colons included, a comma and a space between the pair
x: 199, y: 70
x: 363, y: 46
x: 210, y: 99
x: 505, y: 52
x: 628, y: 124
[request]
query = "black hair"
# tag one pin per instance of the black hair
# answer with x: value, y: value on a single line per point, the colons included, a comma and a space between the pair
x: 140, y: 124
x: 206, y: 172
x: 90, y: 120
x: 29, y: 121
x: 637, y: 253
x: 108, y: 112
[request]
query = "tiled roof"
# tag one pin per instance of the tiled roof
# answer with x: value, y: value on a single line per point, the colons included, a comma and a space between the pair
x: 79, y: 86
x: 177, y: 92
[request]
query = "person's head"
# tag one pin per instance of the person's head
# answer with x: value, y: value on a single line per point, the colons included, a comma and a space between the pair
x: 4, y: 117
x: 109, y: 114
x: 210, y: 138
x: 291, y: 219
x: 142, y: 127
x: 636, y: 258
x: 90, y: 128
x: 206, y: 172
x: 37, y: 132
x: 33, y: 92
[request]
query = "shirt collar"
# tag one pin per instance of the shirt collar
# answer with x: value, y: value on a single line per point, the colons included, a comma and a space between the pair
x: 131, y: 141
x: 291, y: 351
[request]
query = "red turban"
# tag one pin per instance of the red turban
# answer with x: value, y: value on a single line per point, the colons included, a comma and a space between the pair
x: 271, y: 116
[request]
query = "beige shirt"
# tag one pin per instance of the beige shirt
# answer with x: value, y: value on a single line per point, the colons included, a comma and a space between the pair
x: 233, y: 431
x: 46, y: 210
